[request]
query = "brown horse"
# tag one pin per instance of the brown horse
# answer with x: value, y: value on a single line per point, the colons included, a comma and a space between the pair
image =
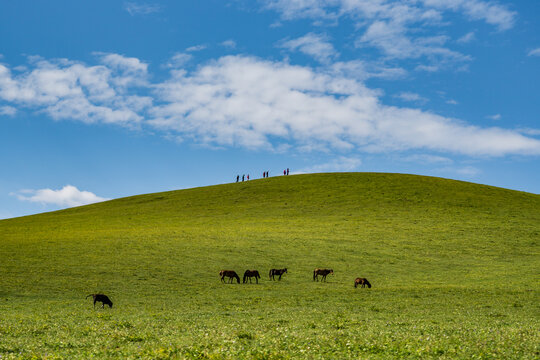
x: 231, y: 274
x: 362, y: 281
x: 251, y: 273
x: 322, y: 272
x: 275, y: 272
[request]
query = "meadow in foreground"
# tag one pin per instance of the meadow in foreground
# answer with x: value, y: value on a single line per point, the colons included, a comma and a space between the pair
x: 454, y: 268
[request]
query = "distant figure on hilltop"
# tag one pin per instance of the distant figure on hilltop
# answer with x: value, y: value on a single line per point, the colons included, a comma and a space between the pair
x: 248, y: 177
x: 264, y: 174
x: 287, y: 171
x: 284, y: 172
x: 237, y: 178
x: 243, y: 176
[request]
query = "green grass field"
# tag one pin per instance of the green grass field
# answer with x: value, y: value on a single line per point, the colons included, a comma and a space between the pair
x: 454, y: 268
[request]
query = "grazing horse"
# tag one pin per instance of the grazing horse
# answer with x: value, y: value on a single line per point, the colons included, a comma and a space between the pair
x: 251, y: 273
x: 362, y: 281
x: 103, y: 299
x: 322, y: 272
x: 231, y: 274
x: 275, y: 272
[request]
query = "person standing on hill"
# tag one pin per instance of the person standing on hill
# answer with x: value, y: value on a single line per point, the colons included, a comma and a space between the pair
x: 248, y: 177
x: 284, y: 172
x: 243, y: 176
x: 264, y: 174
x: 237, y: 178
x: 287, y: 171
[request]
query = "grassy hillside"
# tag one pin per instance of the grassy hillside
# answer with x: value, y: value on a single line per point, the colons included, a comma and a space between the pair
x: 454, y: 268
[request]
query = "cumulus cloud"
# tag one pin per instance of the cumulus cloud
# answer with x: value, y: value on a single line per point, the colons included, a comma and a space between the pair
x: 70, y: 90
x: 314, y: 45
x: 242, y: 101
x: 494, y: 117
x: 68, y: 196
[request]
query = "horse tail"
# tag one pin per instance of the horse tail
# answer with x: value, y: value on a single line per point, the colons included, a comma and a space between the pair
x: 270, y: 274
x: 314, y: 274
x: 257, y: 275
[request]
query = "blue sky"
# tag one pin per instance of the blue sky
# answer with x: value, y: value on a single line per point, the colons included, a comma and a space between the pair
x: 106, y: 99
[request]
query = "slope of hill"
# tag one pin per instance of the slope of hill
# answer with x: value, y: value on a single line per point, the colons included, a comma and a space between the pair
x: 454, y: 268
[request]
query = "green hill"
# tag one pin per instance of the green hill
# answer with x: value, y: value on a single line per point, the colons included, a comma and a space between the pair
x: 454, y: 268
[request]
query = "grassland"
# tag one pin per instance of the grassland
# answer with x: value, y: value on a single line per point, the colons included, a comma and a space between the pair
x: 454, y: 268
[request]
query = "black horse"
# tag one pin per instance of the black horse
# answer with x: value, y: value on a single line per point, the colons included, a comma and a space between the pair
x: 231, y: 274
x: 322, y: 272
x: 103, y: 299
x: 251, y: 273
x: 275, y: 272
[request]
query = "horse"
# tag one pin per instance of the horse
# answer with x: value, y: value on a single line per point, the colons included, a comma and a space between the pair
x: 231, y: 274
x: 322, y: 272
x: 275, y: 272
x: 103, y: 299
x: 362, y: 281
x: 251, y: 273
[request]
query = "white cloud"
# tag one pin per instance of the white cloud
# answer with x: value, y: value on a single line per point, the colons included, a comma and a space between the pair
x: 134, y: 8
x: 427, y: 10
x: 231, y: 44
x: 411, y: 97
x: 532, y: 132
x: 179, y: 60
x: 247, y: 102
x: 340, y: 164
x: 467, y: 38
x: 71, y: 90
x: 8, y: 110
x: 196, y: 48
x: 534, y: 52
x: 489, y: 11
x: 68, y: 196
x: 494, y: 117
x: 397, y: 28
x: 314, y: 45
x: 451, y: 102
